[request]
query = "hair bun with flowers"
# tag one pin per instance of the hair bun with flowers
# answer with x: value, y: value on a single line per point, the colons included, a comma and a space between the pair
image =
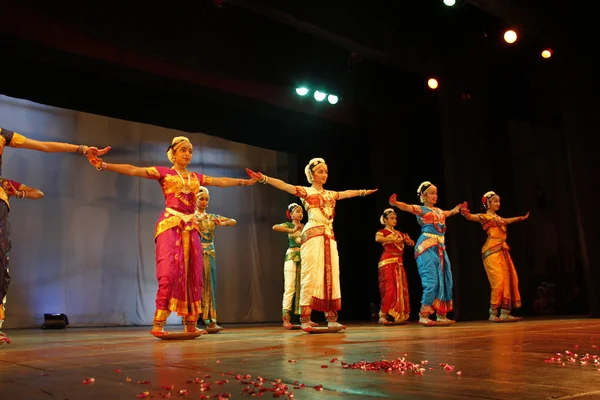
x: 385, y: 214
x: 177, y: 140
x: 486, y: 197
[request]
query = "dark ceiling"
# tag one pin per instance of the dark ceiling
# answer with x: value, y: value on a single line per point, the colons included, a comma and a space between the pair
x: 372, y: 53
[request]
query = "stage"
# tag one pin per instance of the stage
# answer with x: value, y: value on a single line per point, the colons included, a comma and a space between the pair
x: 485, y: 361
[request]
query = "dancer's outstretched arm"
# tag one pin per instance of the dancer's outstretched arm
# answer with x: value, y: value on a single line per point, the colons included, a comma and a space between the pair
x: 413, y: 209
x: 14, y: 139
x: 347, y: 194
x: 21, y: 191
x: 276, y: 183
x: 516, y: 219
x: 454, y: 211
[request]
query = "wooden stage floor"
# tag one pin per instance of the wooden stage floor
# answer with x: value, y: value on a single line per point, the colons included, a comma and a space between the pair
x: 495, y: 361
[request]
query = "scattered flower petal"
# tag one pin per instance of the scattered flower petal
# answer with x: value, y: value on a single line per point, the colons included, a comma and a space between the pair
x: 88, y: 381
x: 143, y: 395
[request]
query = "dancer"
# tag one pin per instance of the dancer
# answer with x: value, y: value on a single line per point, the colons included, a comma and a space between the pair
x: 320, y: 274
x: 496, y: 258
x: 430, y: 254
x: 206, y: 226
x: 13, y: 139
x: 292, y: 265
x: 178, y: 252
x: 393, y: 286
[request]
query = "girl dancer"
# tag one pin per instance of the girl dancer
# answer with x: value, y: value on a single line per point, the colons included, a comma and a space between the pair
x: 430, y: 254
x: 393, y: 286
x: 206, y: 226
x: 291, y: 266
x: 320, y: 275
x: 496, y: 258
x: 178, y: 252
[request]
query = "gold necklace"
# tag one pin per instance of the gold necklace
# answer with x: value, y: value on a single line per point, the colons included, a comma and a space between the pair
x: 185, y: 188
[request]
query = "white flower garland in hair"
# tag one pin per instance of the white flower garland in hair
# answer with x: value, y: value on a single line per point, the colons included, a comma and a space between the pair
x: 175, y: 140
x: 419, y: 190
x: 388, y: 211
x: 487, y: 197
x: 308, y: 172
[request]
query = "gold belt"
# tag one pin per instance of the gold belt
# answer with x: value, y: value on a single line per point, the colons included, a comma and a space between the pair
x: 185, y: 217
x: 439, y: 238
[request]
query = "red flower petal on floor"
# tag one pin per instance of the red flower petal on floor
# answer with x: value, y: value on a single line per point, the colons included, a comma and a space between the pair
x: 143, y: 395
x: 184, y: 392
x: 333, y: 360
x: 168, y: 387
x: 88, y: 381
x: 291, y: 361
x: 117, y: 371
x: 318, y: 387
x: 459, y: 373
x: 144, y: 382
x: 323, y: 366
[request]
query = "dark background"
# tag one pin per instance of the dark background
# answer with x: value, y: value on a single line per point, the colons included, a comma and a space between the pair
x: 503, y: 119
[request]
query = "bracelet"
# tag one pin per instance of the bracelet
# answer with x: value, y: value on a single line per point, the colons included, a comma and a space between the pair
x: 21, y: 194
x: 102, y: 166
x: 240, y: 182
x: 82, y: 149
x: 264, y: 180
x: 362, y: 192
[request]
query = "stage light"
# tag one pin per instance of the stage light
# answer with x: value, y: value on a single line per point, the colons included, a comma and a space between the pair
x: 449, y: 3
x: 332, y: 99
x: 320, y: 96
x: 547, y: 53
x: 301, y: 91
x: 432, y: 83
x: 510, y: 36
x: 55, y: 321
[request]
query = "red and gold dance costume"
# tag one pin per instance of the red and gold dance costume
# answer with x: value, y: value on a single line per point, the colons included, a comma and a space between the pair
x: 11, y: 139
x: 178, y: 251
x: 393, y: 285
x: 320, y: 274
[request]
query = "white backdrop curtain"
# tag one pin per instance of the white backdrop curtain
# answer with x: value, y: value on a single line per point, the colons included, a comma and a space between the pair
x: 87, y: 248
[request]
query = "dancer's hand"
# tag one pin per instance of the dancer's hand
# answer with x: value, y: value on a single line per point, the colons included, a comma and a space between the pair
x: 94, y: 160
x: 9, y: 188
x: 393, y: 200
x: 370, y: 191
x: 524, y: 217
x: 94, y: 151
x: 464, y: 210
x: 254, y: 175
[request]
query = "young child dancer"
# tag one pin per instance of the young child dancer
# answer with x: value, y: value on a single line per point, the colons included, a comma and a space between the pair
x: 291, y: 267
x: 206, y: 226
x: 393, y: 286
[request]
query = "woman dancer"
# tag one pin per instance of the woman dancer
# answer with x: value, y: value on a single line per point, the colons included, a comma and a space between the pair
x: 496, y: 258
x: 430, y: 254
x: 206, y: 226
x: 178, y: 252
x: 320, y: 275
x: 13, y: 139
x: 292, y: 265
x: 393, y: 286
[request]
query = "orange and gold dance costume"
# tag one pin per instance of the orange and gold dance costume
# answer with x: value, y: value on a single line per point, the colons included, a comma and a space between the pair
x: 499, y: 266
